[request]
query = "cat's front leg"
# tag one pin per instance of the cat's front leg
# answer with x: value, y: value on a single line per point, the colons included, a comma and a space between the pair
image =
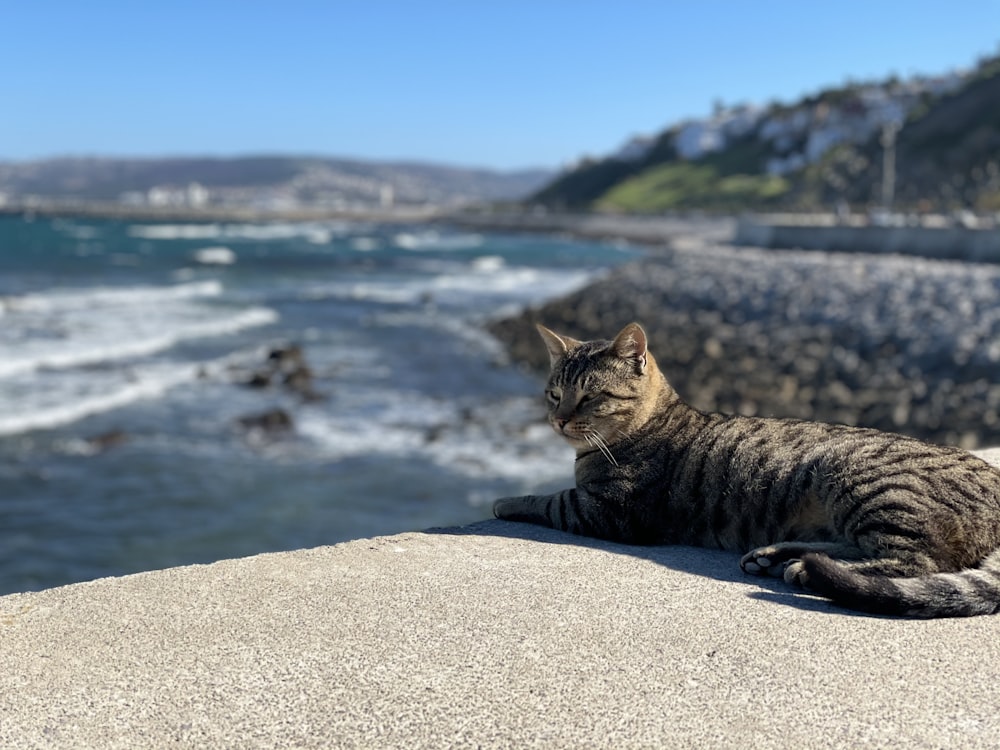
x: 544, y: 510
x: 570, y: 510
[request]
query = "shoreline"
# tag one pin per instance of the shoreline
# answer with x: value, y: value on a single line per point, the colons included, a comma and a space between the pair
x: 652, y: 232
x: 934, y: 237
x: 99, y: 210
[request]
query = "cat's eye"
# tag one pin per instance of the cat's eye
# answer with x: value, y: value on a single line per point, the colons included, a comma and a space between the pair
x: 587, y: 397
x: 552, y: 395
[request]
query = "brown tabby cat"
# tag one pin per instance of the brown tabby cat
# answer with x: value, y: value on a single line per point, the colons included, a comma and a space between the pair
x: 874, y: 521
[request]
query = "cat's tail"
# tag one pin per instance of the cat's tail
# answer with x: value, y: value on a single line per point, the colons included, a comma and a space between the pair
x: 975, y: 591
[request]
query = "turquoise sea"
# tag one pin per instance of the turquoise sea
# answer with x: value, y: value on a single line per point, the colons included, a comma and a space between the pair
x: 125, y: 349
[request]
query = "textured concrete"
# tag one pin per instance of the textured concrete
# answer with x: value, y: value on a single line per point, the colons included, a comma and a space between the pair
x: 493, y: 635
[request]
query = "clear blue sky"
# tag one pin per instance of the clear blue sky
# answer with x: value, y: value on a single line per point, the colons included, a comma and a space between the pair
x: 504, y: 84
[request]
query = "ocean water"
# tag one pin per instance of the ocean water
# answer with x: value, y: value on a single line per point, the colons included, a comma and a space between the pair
x: 125, y: 349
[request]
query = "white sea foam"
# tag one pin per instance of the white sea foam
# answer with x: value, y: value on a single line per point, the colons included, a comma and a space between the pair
x: 488, y: 263
x: 319, y: 236
x: 314, y: 232
x: 65, y: 328
x: 365, y: 244
x: 215, y: 256
x: 432, y: 240
x: 175, y: 231
x: 485, y: 280
x: 43, y: 411
x: 505, y: 440
x: 44, y: 400
x: 74, y: 299
x: 126, y: 338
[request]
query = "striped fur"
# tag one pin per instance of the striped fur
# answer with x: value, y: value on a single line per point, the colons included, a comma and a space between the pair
x: 874, y: 521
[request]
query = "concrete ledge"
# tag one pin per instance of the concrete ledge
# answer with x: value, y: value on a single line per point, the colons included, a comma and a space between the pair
x: 943, y: 243
x: 493, y: 635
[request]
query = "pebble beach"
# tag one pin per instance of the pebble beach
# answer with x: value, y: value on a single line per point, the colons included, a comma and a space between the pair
x: 895, y: 342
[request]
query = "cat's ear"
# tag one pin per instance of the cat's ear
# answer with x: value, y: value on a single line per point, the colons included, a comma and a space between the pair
x: 556, y: 344
x: 630, y: 344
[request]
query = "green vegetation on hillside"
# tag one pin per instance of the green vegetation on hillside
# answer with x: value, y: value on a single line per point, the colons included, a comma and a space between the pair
x: 585, y: 184
x: 686, y: 185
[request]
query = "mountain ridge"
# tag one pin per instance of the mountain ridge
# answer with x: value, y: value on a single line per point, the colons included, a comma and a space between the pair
x: 263, y: 180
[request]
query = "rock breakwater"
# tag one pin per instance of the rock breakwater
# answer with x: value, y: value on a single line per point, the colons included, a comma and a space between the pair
x: 898, y: 343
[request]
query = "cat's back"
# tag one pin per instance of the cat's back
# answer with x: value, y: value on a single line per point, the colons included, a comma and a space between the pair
x: 732, y: 481
x: 747, y: 446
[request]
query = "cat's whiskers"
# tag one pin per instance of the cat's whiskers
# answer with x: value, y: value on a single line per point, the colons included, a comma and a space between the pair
x: 596, y: 439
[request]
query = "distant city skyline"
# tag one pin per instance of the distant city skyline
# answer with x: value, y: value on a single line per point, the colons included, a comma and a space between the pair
x: 501, y: 85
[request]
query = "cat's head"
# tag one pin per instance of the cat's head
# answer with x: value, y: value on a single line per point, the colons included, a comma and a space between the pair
x: 599, y: 392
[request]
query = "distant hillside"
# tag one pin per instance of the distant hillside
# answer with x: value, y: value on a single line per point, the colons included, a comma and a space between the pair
x: 261, y: 181
x: 818, y: 153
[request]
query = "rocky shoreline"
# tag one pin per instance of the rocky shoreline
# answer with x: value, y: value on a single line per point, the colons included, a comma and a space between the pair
x: 902, y: 343
x: 899, y: 343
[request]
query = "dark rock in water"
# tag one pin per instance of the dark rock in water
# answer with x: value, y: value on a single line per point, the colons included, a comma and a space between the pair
x: 287, y: 358
x: 259, y: 380
x: 301, y: 381
x: 271, y: 421
x: 435, y: 432
x: 106, y: 440
x: 286, y: 366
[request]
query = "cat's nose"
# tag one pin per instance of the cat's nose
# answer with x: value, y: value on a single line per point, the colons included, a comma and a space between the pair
x: 561, y: 424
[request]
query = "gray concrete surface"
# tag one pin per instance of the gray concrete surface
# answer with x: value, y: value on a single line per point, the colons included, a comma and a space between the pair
x: 493, y: 635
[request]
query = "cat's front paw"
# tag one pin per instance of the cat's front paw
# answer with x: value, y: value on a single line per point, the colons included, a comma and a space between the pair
x: 527, y: 509
x: 757, y: 565
x: 506, y: 507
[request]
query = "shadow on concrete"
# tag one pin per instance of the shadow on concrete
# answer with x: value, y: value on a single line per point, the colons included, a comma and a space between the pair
x: 710, y: 563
